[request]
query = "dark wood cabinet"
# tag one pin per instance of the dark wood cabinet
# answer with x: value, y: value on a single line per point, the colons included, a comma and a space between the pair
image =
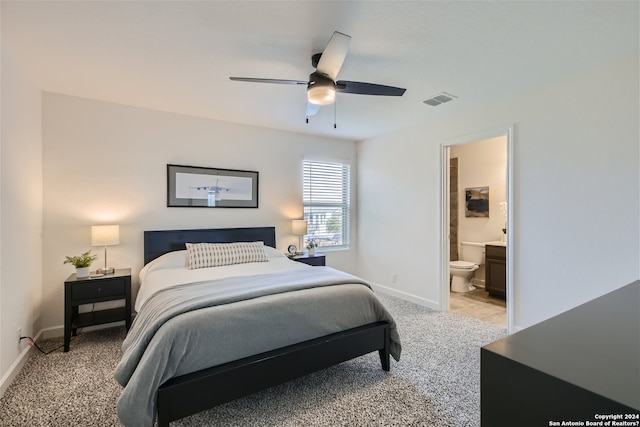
x: 571, y: 367
x: 496, y: 270
x: 316, y: 260
x: 91, y: 290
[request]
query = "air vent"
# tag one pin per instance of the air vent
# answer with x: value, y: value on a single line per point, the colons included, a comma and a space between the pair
x: 439, y: 99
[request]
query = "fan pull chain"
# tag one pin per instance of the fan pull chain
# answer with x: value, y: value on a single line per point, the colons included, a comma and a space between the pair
x: 335, y: 107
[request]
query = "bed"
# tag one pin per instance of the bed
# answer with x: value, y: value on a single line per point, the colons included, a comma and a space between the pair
x: 206, y: 336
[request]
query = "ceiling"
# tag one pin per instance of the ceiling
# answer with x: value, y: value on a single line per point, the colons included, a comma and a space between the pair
x: 177, y: 56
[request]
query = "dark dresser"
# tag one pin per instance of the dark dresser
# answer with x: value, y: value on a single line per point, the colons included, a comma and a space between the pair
x: 578, y: 366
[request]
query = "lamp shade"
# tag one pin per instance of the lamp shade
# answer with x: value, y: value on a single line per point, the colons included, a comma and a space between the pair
x: 299, y: 227
x: 105, y: 235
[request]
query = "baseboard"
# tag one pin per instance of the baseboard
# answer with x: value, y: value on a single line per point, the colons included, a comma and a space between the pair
x: 58, y: 331
x: 17, y: 366
x: 51, y: 332
x: 478, y: 283
x: 406, y: 296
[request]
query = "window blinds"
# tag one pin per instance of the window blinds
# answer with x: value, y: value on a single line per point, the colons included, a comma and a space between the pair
x: 326, y: 200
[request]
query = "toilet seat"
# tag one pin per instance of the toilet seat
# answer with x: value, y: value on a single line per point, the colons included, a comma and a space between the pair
x: 462, y: 265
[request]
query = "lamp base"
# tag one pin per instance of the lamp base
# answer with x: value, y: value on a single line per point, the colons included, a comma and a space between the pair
x: 106, y: 270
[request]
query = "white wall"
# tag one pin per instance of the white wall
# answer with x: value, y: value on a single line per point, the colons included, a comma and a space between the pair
x: 482, y: 164
x: 20, y: 216
x: 575, y: 207
x: 106, y: 163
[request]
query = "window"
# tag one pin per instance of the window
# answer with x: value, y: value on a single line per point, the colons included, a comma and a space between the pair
x: 326, y: 200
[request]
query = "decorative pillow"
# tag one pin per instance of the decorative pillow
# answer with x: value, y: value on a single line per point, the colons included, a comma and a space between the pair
x: 202, y: 255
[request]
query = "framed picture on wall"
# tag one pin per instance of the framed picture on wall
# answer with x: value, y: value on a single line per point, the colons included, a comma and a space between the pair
x: 477, y: 202
x: 201, y: 187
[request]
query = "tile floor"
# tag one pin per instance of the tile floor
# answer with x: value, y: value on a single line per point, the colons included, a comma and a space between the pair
x: 480, y: 305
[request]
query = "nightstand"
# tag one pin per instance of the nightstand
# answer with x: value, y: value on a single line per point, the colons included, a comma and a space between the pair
x: 316, y: 260
x: 91, y: 290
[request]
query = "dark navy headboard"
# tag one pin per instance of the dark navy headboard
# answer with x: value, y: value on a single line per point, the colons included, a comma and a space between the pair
x: 160, y: 242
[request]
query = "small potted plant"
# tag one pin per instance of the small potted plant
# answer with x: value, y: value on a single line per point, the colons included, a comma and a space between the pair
x: 81, y: 263
x: 311, y: 247
x: 504, y: 211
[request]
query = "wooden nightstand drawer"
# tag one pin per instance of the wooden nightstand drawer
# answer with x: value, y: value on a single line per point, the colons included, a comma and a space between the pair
x: 102, y: 288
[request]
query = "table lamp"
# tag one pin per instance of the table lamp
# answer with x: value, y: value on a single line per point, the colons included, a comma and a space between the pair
x: 105, y: 235
x: 299, y: 228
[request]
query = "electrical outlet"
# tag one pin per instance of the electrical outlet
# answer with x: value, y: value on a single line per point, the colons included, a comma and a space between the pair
x: 394, y: 278
x: 19, y: 334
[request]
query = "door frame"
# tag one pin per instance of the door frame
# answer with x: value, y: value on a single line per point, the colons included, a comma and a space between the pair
x: 508, y: 131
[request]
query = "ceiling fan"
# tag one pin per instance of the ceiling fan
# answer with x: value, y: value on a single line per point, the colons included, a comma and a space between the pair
x: 322, y: 85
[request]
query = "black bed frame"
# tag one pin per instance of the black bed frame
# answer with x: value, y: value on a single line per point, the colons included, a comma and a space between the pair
x: 191, y: 393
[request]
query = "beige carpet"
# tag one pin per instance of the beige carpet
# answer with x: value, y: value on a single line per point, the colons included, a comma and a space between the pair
x: 436, y: 383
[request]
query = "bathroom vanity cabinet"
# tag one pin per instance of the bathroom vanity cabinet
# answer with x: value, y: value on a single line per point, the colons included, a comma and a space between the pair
x: 496, y: 270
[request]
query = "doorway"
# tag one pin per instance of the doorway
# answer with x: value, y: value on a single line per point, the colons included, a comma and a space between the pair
x: 477, y: 170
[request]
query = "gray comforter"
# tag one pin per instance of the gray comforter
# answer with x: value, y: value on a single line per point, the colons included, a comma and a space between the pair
x: 196, y: 326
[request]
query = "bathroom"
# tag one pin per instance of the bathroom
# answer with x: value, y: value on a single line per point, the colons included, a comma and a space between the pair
x: 478, y: 215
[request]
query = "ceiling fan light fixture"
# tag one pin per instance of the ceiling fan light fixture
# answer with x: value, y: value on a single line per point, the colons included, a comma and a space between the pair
x: 321, y: 95
x: 321, y: 90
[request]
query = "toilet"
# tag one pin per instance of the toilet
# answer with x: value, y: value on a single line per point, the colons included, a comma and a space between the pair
x: 472, y: 256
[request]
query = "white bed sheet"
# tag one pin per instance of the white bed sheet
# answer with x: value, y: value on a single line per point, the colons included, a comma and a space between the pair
x: 170, y: 271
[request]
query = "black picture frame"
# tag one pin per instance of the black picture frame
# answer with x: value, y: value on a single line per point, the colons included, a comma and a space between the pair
x: 203, y: 187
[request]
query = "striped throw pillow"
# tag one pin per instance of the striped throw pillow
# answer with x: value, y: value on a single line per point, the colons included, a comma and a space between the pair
x: 202, y: 255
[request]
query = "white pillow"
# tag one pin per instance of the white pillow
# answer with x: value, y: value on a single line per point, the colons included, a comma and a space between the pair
x: 202, y: 255
x: 273, y: 253
x: 176, y: 259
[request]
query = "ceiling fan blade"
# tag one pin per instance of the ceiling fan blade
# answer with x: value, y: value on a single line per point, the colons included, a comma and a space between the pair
x: 361, y: 88
x: 333, y: 55
x: 277, y: 81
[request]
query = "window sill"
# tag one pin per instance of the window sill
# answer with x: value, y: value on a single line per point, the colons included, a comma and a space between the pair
x: 325, y: 249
